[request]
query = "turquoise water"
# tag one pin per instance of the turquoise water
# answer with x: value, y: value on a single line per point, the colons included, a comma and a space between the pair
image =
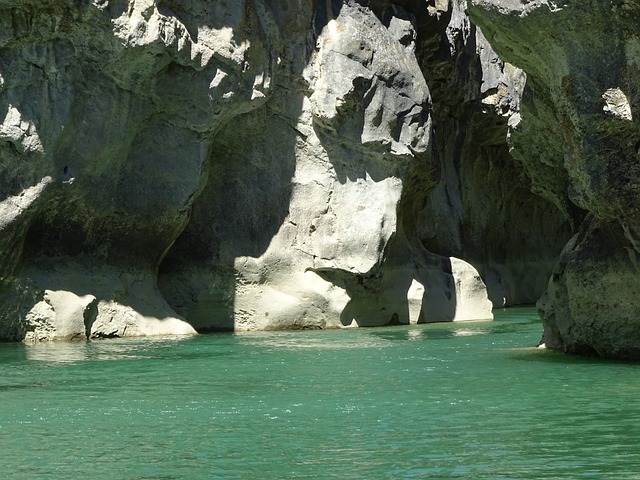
x: 445, y: 401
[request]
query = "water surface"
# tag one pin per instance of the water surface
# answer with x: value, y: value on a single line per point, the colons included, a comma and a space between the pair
x: 465, y: 400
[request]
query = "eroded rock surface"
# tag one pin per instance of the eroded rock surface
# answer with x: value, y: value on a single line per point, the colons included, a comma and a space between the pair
x: 582, y: 61
x: 172, y: 166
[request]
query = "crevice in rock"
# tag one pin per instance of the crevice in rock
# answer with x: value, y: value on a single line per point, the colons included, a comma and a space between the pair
x: 90, y: 314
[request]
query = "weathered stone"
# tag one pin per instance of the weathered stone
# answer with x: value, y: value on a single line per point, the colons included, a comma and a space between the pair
x: 487, y: 208
x: 582, y: 62
x: 415, y: 295
x: 167, y: 167
x: 96, y: 301
x: 60, y: 315
x: 591, y: 304
x: 320, y: 193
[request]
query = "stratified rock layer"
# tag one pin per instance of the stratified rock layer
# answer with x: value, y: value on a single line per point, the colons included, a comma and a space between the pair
x: 168, y: 167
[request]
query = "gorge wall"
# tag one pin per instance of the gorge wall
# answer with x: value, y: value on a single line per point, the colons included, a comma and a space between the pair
x: 171, y: 166
x: 582, y: 61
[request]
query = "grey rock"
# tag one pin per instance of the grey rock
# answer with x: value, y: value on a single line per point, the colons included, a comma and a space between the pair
x: 591, y: 303
x: 578, y: 139
x: 487, y: 208
x: 171, y: 167
x: 326, y: 182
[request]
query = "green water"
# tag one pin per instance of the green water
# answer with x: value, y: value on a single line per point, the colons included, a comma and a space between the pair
x: 441, y: 401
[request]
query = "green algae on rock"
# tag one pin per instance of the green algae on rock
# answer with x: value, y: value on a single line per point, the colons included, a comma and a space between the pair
x: 173, y: 167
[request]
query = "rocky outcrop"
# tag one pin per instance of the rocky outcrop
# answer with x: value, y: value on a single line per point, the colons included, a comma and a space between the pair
x: 319, y: 197
x: 582, y: 61
x: 173, y: 167
x: 487, y: 208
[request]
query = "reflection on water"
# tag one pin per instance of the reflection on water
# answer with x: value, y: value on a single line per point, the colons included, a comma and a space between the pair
x: 415, y: 334
x: 302, y: 340
x: 378, y: 337
x: 463, y: 332
x: 97, y: 350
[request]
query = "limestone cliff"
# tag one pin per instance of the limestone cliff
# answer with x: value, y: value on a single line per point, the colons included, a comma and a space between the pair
x: 582, y: 60
x: 172, y: 166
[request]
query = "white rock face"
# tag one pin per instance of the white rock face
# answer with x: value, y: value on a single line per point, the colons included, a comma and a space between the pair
x: 617, y: 104
x: 14, y: 206
x: 374, y: 67
x: 415, y: 295
x: 20, y: 132
x: 98, y: 303
x: 471, y: 294
x: 350, y: 139
x: 218, y: 165
x: 60, y: 315
x: 460, y: 295
x: 520, y: 7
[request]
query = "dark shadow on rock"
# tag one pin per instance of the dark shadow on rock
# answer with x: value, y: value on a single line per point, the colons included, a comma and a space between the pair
x: 353, y: 160
x: 246, y: 198
x: 242, y: 207
x: 127, y: 152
